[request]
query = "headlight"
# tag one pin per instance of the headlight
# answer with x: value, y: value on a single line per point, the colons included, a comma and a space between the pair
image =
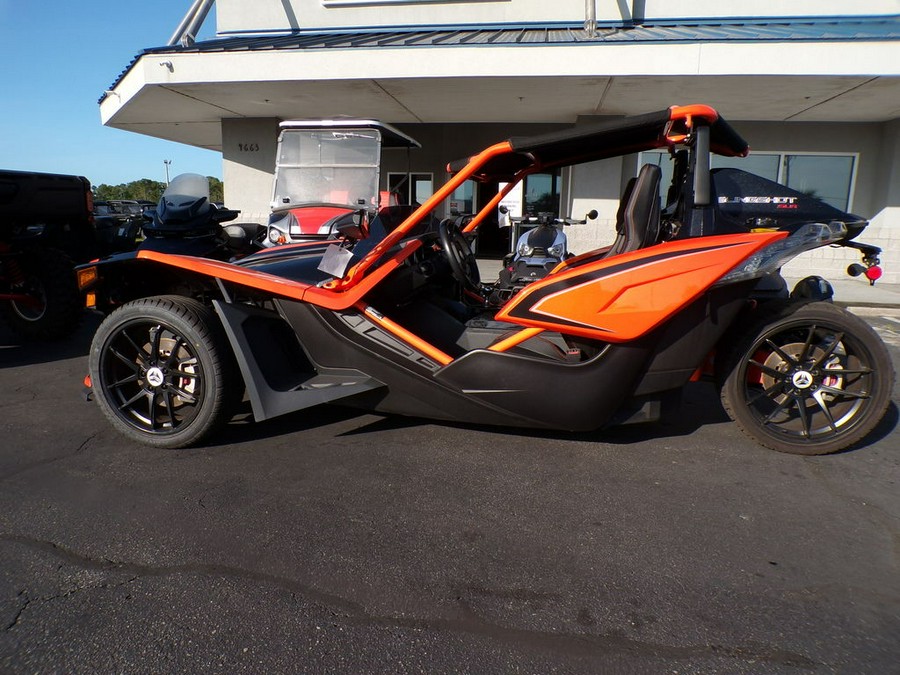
x: 775, y: 255
x: 555, y: 251
x: 276, y: 236
x: 525, y: 250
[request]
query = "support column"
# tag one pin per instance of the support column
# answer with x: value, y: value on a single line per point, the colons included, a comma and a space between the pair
x: 248, y: 166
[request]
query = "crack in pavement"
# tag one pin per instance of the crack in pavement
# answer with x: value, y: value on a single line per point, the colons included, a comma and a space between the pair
x: 469, y: 622
x: 50, y: 460
x: 12, y: 624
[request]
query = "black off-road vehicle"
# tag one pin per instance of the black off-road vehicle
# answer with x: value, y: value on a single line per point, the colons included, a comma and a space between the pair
x: 46, y: 228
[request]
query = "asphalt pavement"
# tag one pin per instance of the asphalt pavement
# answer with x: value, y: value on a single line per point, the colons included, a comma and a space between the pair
x: 334, y: 542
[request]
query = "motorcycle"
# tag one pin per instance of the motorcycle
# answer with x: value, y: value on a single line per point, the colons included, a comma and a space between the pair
x: 186, y: 222
x: 394, y: 318
x: 537, y: 252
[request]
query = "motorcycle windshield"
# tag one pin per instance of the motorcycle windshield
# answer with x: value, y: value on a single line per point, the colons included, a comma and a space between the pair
x: 327, y: 166
x: 184, y: 206
x: 189, y: 185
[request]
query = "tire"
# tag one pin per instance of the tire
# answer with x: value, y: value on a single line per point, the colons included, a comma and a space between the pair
x: 48, y: 275
x: 163, y: 373
x: 807, y: 379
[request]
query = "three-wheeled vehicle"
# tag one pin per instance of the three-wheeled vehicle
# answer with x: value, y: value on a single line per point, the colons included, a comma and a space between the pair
x: 326, y: 171
x: 395, y: 319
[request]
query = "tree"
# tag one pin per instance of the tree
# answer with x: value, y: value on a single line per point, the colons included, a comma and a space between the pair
x: 216, y: 190
x: 150, y: 190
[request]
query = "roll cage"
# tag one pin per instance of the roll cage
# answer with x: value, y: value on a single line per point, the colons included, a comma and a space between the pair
x: 699, y: 127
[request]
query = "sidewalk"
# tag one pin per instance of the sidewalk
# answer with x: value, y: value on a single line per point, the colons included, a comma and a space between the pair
x: 848, y: 291
x: 858, y: 293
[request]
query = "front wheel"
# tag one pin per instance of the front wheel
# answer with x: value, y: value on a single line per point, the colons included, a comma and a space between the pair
x: 808, y: 379
x: 162, y: 372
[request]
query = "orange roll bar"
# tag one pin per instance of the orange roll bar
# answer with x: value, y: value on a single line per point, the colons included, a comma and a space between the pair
x: 430, y: 204
x: 495, y: 201
x: 399, y: 331
x: 516, y: 339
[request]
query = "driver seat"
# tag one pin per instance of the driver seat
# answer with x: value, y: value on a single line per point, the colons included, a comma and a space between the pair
x: 637, y: 221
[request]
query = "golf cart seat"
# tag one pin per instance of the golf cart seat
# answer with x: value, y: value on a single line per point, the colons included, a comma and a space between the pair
x: 637, y: 221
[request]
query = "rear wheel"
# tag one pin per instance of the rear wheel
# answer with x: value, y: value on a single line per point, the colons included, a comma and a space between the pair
x: 807, y: 379
x: 162, y: 372
x: 52, y: 307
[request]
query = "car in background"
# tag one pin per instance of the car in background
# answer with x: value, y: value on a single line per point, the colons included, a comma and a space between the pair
x: 46, y: 228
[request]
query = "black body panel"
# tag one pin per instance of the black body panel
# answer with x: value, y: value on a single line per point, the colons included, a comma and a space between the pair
x: 572, y: 396
x: 745, y: 200
x: 349, y: 340
x: 687, y: 338
x: 277, y: 373
x: 302, y: 356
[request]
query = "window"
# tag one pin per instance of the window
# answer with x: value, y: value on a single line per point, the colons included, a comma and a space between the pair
x: 463, y: 198
x: 826, y: 177
x: 829, y: 177
x: 412, y: 188
x: 542, y: 193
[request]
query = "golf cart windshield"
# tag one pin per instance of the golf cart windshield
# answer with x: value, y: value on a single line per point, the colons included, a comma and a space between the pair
x: 327, y: 166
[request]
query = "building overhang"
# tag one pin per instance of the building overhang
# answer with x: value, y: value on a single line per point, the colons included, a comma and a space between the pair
x: 535, y: 75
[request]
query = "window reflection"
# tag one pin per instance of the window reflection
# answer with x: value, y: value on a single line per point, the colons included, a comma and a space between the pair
x: 826, y: 177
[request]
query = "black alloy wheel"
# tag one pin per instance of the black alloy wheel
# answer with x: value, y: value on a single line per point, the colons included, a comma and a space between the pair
x: 811, y: 379
x: 162, y: 372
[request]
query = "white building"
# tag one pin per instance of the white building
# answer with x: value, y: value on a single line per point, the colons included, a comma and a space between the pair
x: 813, y: 85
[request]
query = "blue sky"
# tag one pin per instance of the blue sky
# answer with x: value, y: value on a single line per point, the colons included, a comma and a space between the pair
x: 58, y: 57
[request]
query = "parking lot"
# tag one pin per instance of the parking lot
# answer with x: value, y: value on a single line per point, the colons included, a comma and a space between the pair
x: 333, y: 541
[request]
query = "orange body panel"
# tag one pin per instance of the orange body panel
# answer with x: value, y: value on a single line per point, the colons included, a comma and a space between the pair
x: 281, y: 286
x: 622, y: 298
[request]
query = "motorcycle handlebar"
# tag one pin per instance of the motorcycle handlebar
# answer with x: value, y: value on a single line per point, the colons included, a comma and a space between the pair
x: 548, y: 219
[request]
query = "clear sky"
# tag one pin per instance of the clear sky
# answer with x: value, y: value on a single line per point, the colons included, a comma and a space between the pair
x: 57, y: 57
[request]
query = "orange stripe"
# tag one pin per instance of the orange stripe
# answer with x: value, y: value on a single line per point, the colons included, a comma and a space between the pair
x: 399, y: 331
x: 516, y: 339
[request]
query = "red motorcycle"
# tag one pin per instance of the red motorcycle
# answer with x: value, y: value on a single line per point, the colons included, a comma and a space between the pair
x: 394, y: 318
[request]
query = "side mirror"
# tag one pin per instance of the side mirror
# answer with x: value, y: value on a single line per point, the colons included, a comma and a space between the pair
x: 236, y: 237
x: 350, y: 231
x: 503, y: 209
x: 353, y: 226
x: 591, y: 215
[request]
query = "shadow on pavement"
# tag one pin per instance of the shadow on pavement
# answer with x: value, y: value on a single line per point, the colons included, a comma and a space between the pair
x: 15, y: 351
x: 700, y: 407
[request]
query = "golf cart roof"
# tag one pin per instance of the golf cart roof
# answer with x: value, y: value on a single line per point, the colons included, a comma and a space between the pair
x: 390, y: 136
x: 610, y: 138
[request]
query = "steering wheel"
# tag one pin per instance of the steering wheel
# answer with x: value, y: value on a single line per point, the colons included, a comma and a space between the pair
x: 459, y: 254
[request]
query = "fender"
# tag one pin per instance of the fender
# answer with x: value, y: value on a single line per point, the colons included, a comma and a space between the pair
x: 624, y: 297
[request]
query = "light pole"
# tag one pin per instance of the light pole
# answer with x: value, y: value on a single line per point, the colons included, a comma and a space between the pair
x: 167, y: 162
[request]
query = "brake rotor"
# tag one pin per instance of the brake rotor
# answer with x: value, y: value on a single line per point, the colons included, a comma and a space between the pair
x: 185, y: 384
x: 795, y: 351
